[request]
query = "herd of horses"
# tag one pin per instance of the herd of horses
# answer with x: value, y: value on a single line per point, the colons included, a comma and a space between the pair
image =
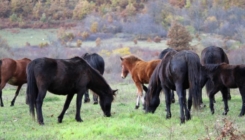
x: 171, y: 71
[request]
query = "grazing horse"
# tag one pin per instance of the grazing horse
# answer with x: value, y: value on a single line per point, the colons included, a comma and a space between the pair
x: 98, y: 63
x: 65, y: 77
x: 214, y: 55
x: 161, y: 56
x: 226, y: 76
x: 140, y: 71
x: 13, y: 72
x: 177, y: 71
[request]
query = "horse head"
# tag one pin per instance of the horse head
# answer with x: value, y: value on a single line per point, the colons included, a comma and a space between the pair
x: 105, y: 102
x: 125, y: 70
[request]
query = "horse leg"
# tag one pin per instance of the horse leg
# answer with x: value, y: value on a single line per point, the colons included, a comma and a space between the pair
x: 139, y: 95
x: 180, y: 92
x: 66, y: 106
x: 79, y: 104
x: 187, y: 110
x: 242, y: 92
x: 39, y: 103
x: 167, y: 93
x: 16, y: 94
x: 225, y: 92
x: 172, y: 96
x: 95, y: 98
x: 1, y: 100
x: 1, y: 88
x: 86, y: 98
x: 211, y: 98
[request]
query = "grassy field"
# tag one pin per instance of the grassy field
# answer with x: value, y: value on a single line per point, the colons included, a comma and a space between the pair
x: 125, y: 123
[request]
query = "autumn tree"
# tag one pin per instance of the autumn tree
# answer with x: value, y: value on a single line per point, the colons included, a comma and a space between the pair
x: 179, y: 37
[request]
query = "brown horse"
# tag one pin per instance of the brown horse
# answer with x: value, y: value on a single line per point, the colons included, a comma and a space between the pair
x: 13, y: 72
x: 140, y: 71
x: 226, y: 76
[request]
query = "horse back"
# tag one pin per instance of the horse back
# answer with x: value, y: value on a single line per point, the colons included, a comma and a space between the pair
x: 143, y: 70
x: 213, y: 55
x: 60, y: 76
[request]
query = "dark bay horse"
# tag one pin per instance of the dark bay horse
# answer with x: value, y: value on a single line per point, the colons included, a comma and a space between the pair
x: 214, y: 55
x: 97, y: 62
x: 140, y: 71
x: 226, y: 76
x: 177, y: 71
x: 13, y: 72
x: 65, y: 77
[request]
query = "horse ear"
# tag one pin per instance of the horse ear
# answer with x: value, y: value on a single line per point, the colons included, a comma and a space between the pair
x: 114, y: 91
x: 121, y: 58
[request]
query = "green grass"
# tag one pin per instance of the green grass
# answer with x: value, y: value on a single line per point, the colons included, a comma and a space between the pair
x: 34, y: 37
x: 125, y: 123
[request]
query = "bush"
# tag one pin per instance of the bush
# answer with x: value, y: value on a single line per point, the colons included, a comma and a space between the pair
x: 82, y: 9
x: 179, y: 37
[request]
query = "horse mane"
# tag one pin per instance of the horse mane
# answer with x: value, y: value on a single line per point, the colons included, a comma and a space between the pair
x: 132, y: 58
x: 166, y: 61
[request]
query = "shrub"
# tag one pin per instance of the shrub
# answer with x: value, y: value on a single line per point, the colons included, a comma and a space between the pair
x: 82, y: 9
x: 13, y: 17
x: 79, y: 43
x: 179, y: 37
x: 98, y: 42
x: 94, y: 27
x: 85, y: 35
x: 5, y: 8
x: 43, y: 18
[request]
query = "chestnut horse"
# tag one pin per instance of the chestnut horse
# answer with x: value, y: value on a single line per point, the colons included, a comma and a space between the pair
x: 140, y: 71
x: 65, y: 77
x: 226, y: 76
x: 214, y: 55
x: 13, y: 72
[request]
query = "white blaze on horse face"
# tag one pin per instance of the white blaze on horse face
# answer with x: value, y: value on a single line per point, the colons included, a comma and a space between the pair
x: 122, y: 74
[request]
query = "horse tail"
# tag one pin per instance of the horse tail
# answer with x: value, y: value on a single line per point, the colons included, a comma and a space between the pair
x: 31, y: 88
x: 194, y: 72
x: 144, y: 88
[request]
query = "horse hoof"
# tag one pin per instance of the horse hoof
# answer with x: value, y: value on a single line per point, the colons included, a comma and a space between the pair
x: 41, y: 123
x: 136, y: 107
x: 173, y: 101
x: 11, y: 105
x: 224, y: 113
x: 87, y: 100
x: 202, y: 106
x: 95, y: 102
x: 182, y: 121
x: 79, y: 120
x: 212, y: 112
x: 168, y: 116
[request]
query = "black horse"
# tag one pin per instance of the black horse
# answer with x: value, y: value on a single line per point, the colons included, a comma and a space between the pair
x: 161, y: 56
x: 177, y: 71
x: 65, y: 77
x: 98, y: 63
x: 214, y: 55
x: 226, y: 76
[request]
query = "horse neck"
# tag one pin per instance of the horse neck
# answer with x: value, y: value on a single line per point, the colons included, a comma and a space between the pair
x: 132, y: 65
x: 98, y: 83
